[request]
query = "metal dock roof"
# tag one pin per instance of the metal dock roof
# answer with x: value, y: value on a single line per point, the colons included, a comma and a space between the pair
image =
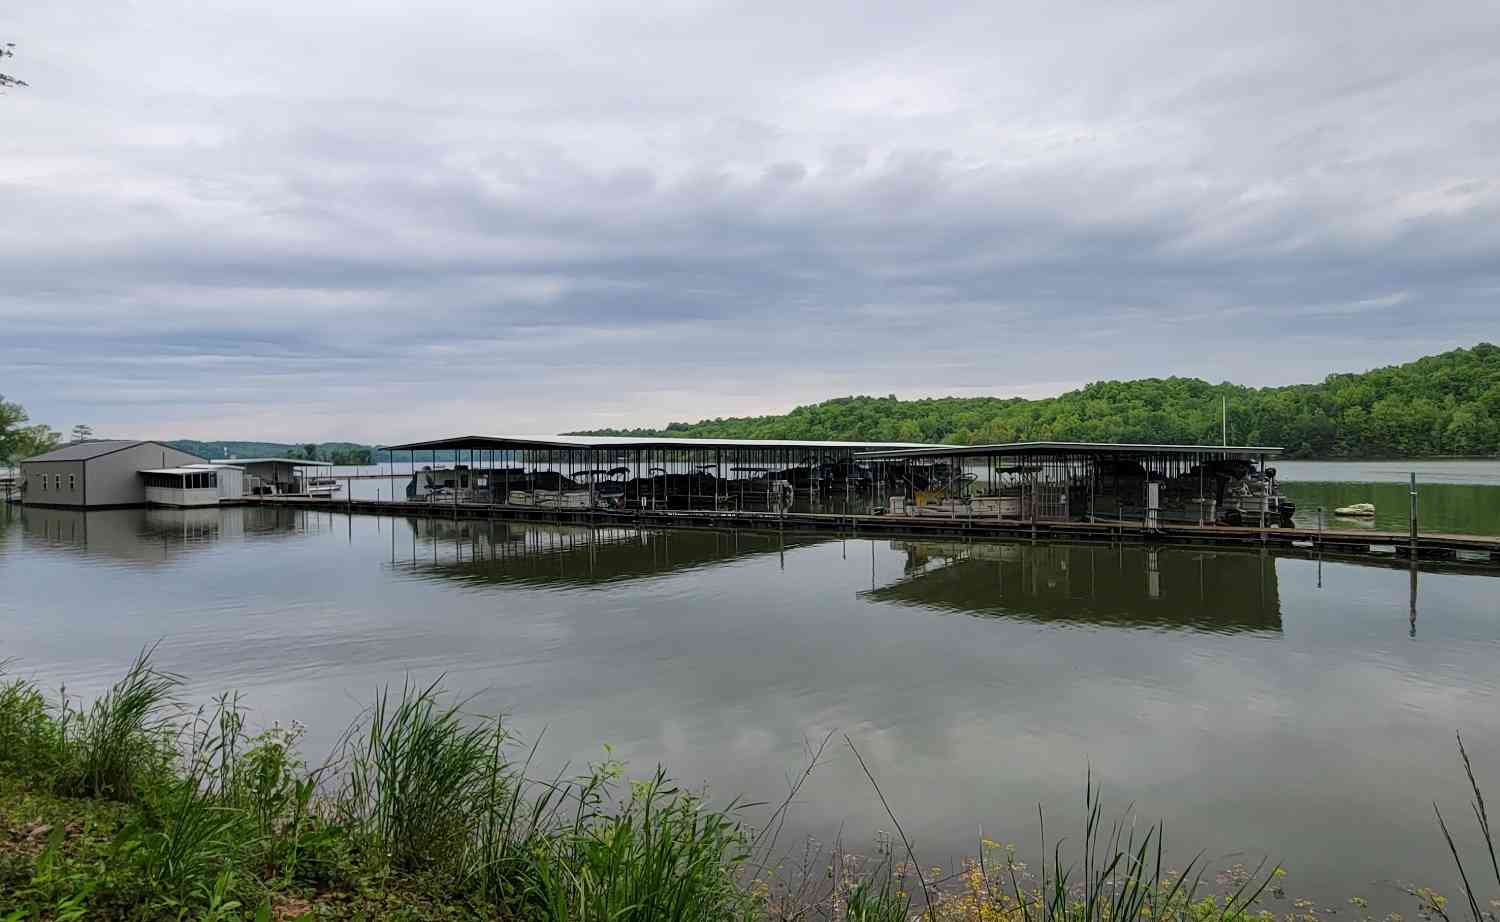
x: 1076, y: 448
x: 563, y: 442
x: 295, y: 462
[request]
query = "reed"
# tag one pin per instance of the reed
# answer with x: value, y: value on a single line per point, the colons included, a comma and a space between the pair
x: 124, y: 740
x: 661, y: 856
x: 1474, y: 903
x: 29, y: 740
x: 878, y: 897
x: 1115, y: 876
x: 422, y: 779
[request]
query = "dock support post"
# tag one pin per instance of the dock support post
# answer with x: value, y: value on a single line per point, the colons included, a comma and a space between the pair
x: 1411, y: 516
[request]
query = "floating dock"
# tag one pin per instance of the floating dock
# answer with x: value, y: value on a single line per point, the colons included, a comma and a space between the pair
x: 1474, y: 552
x: 1082, y: 492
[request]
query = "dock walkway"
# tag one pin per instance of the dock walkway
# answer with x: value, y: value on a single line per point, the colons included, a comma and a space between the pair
x: 1475, y: 551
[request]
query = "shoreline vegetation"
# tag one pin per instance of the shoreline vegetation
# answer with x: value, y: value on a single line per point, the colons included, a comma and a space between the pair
x: 1445, y: 405
x: 135, y: 806
x: 1441, y: 407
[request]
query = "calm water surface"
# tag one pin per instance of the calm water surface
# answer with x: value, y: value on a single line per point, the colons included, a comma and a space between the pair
x: 1454, y: 497
x: 1258, y: 705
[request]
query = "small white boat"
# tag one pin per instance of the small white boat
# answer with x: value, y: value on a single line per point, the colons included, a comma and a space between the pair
x: 323, y: 486
x: 1357, y: 511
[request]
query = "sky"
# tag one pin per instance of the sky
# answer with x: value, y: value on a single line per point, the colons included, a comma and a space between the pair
x: 383, y: 221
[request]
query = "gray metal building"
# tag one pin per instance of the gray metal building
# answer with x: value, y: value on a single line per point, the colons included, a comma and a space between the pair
x: 97, y: 474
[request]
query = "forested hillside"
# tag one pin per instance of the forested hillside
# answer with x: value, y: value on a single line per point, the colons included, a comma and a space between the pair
x: 337, y: 452
x: 1446, y: 404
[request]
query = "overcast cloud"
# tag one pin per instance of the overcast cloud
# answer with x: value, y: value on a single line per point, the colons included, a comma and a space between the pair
x: 383, y: 220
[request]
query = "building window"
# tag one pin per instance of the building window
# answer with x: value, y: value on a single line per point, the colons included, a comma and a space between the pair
x: 72, y: 482
x: 44, y: 483
x: 57, y: 481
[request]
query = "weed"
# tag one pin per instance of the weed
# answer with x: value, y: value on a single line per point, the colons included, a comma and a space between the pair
x: 123, y: 741
x: 187, y: 840
x: 661, y: 855
x: 28, y: 735
x: 1482, y: 818
x: 878, y: 898
x: 420, y: 779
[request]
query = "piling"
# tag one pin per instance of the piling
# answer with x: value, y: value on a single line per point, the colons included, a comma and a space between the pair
x: 1411, y: 515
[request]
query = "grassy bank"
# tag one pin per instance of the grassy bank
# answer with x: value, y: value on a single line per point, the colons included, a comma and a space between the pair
x: 134, y: 807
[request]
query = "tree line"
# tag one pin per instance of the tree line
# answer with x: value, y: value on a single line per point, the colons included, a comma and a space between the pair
x: 1440, y: 405
x: 343, y: 453
x: 21, y: 439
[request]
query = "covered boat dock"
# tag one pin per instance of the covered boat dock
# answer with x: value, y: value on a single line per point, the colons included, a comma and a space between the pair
x: 596, y: 472
x: 1086, y: 482
x: 1187, y: 495
x: 278, y: 476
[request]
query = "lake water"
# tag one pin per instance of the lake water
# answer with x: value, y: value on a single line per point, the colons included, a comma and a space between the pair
x: 1258, y: 705
x: 1454, y: 497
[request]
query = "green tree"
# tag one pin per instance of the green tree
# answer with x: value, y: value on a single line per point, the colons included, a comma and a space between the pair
x: 1440, y: 404
x: 18, y: 440
x: 13, y: 418
x: 82, y: 433
x: 351, y: 456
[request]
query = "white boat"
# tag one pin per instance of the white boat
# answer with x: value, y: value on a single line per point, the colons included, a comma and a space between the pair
x: 552, y: 499
x: 323, y: 486
x: 1357, y: 511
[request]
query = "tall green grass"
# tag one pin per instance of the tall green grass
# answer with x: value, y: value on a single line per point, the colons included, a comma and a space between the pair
x: 425, y: 800
x: 430, y: 790
x: 29, y: 740
x: 125, y: 740
x: 660, y: 855
x: 422, y: 779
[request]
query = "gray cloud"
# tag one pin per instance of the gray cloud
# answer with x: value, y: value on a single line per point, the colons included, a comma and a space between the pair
x: 376, y: 221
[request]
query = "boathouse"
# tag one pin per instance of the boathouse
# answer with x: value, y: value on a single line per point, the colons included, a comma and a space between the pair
x: 98, y: 474
x: 275, y: 476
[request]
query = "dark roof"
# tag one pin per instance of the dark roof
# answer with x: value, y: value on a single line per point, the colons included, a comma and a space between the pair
x: 1071, y: 448
x: 82, y: 451
x: 86, y: 451
x: 548, y: 442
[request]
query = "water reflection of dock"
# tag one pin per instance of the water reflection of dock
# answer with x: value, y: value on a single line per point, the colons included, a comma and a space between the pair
x: 1130, y: 586
x: 541, y: 555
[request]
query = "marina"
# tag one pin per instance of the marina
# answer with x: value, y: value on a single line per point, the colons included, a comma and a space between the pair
x: 1007, y: 667
x: 1186, y: 495
x: 1226, y: 496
